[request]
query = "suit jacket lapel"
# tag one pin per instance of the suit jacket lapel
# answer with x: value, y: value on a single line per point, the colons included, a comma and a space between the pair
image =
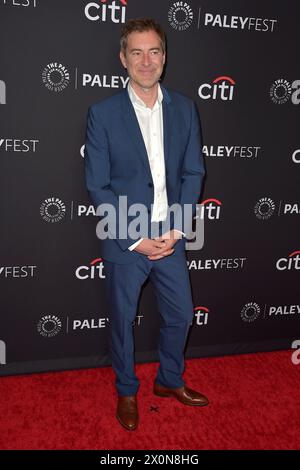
x: 132, y: 125
x: 168, y: 114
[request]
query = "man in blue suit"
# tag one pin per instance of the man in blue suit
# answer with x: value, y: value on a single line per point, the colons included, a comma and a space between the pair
x: 143, y: 144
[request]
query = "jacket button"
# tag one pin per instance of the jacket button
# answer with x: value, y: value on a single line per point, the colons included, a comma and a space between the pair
x: 149, y: 210
x: 150, y: 185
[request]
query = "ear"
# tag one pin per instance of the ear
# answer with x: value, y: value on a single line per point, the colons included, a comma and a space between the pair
x: 123, y: 59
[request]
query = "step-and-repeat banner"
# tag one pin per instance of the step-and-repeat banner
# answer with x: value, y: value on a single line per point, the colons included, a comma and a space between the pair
x: 238, y: 60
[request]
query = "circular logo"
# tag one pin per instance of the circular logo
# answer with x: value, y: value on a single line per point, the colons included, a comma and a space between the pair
x: 180, y: 16
x: 280, y: 91
x: 49, y: 326
x: 295, y: 157
x: 55, y: 77
x: 250, y: 312
x: 264, y: 208
x: 52, y: 210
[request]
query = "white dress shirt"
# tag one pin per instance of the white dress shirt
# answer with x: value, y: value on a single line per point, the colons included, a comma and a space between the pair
x: 151, y: 125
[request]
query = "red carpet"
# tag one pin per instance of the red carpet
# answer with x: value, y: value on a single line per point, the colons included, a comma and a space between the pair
x: 254, y: 404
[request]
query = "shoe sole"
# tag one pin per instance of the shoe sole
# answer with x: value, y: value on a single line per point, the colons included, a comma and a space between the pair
x: 166, y: 395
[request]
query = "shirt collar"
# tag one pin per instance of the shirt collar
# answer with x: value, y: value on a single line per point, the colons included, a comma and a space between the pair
x: 135, y: 99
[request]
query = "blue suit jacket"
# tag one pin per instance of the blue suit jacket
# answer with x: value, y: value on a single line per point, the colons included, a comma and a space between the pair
x: 116, y: 161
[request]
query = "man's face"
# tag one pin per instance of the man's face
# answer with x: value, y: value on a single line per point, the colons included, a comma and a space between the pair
x: 144, y: 58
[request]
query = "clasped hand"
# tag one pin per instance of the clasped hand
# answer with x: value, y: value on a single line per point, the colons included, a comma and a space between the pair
x: 158, y: 247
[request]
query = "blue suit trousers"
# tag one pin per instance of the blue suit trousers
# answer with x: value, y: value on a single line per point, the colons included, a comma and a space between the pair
x: 170, y: 279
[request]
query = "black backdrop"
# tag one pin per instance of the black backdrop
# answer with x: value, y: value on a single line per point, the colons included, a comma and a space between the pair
x: 239, y: 61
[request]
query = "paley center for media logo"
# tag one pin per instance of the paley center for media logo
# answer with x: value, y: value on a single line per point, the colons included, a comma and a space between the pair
x: 243, y: 23
x: 216, y: 264
x: 106, y: 10
x: 221, y: 88
x: 18, y: 145
x: 21, y: 3
x: 56, y: 78
x: 252, y: 311
x: 282, y: 91
x: 265, y: 208
x: 49, y: 326
x: 181, y: 16
x: 17, y: 272
x: 231, y: 151
x: 52, y: 210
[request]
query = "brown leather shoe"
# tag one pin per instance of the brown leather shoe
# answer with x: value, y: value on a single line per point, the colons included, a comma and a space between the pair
x: 127, y: 412
x: 185, y: 395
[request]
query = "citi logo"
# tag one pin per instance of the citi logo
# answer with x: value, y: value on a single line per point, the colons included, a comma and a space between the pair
x: 92, y: 271
x: 2, y: 92
x: 282, y: 91
x: 221, y: 88
x: 289, y: 263
x: 201, y: 315
x: 106, y: 11
x: 210, y: 208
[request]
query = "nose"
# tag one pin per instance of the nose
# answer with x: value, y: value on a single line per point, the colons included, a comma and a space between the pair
x: 146, y: 59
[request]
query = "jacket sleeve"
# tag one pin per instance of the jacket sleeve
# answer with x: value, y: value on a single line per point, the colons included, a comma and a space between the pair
x: 97, y: 173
